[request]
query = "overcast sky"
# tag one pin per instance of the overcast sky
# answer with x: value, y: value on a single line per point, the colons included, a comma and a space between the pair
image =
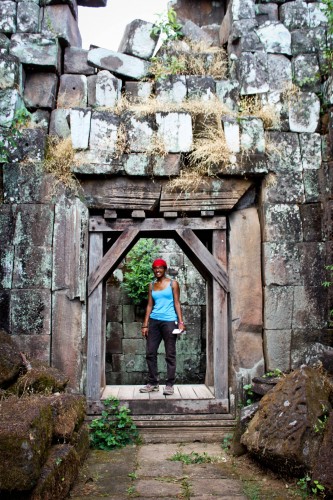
x: 104, y: 26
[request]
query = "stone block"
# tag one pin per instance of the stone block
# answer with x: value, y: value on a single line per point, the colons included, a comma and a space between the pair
x: 30, y: 312
x: 279, y: 72
x: 28, y: 17
x: 307, y: 345
x: 134, y: 363
x: 231, y: 134
x: 36, y: 50
x: 288, y: 154
x: 253, y: 73
x: 140, y: 132
x: 108, y: 89
x: 23, y: 457
x: 34, y: 225
x: 4, y: 44
x: 134, y: 346
x: 200, y: 87
x: 306, y: 72
x: 5, y: 310
x: 166, y: 166
x: 252, y: 137
x: 195, y: 33
x: 246, y: 287
x: 114, y: 313
x: 68, y: 325
x: 80, y: 120
x: 114, y: 337
x: 317, y: 15
x: 73, y: 5
x: 10, y: 360
x: 91, y: 84
x: 282, y: 222
x: 250, y: 42
x: 75, y: 62
x: 310, y: 150
x: 278, y: 307
x: 277, y: 344
x: 72, y: 92
x: 312, y: 260
x: 9, y: 71
x: 228, y: 93
x: 287, y: 188
x: 307, y: 41
x: 275, y: 37
x: 10, y: 102
x: 36, y: 347
x: 266, y: 12
x: 32, y: 267
x: 59, y: 20
x: 311, y: 185
x: 97, y: 163
x: 6, y: 265
x: 137, y: 39
x: 171, y: 89
x: 304, y: 112
x: 120, y: 64
x: 128, y: 313
x: 310, y: 307
x: 192, y: 314
x: 311, y: 215
x: 41, y: 119
x: 281, y: 264
x: 138, y: 91
x: 59, y: 123
x: 242, y: 10
x: 7, y: 16
x: 30, y: 145
x: 295, y: 15
x: 29, y: 189
x: 175, y: 130
x: 40, y: 90
x: 103, y: 133
x: 132, y: 330
x: 70, y: 248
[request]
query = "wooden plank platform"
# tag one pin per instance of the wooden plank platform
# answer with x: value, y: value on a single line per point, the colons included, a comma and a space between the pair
x: 131, y: 392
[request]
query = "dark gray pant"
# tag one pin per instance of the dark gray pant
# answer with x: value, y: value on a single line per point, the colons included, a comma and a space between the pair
x: 158, y: 331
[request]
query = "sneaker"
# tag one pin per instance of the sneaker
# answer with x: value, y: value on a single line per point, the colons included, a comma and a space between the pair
x: 168, y: 390
x: 149, y: 388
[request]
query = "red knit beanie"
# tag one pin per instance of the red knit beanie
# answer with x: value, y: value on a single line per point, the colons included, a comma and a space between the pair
x: 159, y: 262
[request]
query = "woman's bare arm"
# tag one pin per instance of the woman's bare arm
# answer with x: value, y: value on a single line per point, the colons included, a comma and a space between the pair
x: 149, y: 308
x: 176, y: 295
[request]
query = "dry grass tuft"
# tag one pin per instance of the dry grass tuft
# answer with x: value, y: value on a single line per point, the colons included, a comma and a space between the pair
x: 121, y: 146
x: 253, y: 106
x: 270, y: 180
x: 59, y: 160
x: 157, y: 146
x: 188, y: 181
x: 291, y: 92
x: 209, y: 149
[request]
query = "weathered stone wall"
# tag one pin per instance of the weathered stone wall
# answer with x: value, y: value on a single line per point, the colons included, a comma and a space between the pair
x: 44, y: 231
x: 125, y: 347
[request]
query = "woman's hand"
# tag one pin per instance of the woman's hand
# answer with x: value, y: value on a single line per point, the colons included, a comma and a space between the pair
x: 181, y: 326
x: 144, y: 331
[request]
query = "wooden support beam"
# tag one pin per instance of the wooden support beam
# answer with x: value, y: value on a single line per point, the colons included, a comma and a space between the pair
x: 112, y: 257
x: 202, y: 258
x: 110, y: 214
x: 170, y: 215
x: 99, y: 224
x: 138, y: 214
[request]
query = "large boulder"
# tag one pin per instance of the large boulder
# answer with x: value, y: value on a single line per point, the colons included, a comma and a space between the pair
x: 10, y: 360
x: 287, y: 431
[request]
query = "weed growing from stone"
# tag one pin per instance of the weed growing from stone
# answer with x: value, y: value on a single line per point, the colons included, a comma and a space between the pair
x: 10, y: 136
x: 308, y: 486
x: 209, y: 150
x: 273, y: 373
x: 226, y: 442
x: 249, y: 394
x: 191, y: 458
x: 167, y: 26
x: 114, y: 429
x: 156, y: 146
x: 59, y: 161
x: 253, y: 106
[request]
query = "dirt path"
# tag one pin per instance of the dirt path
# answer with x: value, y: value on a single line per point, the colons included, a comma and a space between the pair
x: 146, y: 472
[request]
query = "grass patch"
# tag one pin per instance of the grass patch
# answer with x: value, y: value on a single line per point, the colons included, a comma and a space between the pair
x: 253, y: 106
x: 191, y: 458
x: 59, y: 160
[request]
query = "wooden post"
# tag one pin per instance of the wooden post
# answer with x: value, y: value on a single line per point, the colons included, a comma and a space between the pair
x: 220, y: 321
x: 209, y: 379
x: 95, y: 346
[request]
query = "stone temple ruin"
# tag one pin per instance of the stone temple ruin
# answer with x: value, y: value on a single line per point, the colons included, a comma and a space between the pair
x: 257, y: 227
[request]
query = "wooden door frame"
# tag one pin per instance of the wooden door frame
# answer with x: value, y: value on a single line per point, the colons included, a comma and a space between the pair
x: 213, y: 266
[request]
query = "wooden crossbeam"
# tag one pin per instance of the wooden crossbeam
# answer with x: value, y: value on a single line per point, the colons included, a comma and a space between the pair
x: 99, y: 224
x: 202, y: 258
x: 113, y: 257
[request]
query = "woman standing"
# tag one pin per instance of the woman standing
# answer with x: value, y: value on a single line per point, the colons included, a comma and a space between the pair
x: 162, y: 314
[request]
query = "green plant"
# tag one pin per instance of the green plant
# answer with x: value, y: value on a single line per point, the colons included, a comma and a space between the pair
x: 191, y: 458
x: 252, y: 490
x: 226, y: 442
x: 249, y: 394
x: 167, y: 26
x: 273, y: 373
x: 138, y: 271
x: 166, y: 65
x: 133, y: 475
x: 307, y: 485
x: 114, y: 429
x: 14, y: 132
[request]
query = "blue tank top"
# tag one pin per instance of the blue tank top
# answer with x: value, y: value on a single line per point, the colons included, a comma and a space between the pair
x: 164, y: 308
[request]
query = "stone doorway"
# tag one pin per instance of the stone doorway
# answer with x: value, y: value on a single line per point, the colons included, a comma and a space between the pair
x: 194, y: 236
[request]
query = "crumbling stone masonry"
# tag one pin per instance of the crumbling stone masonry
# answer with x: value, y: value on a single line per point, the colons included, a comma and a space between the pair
x: 279, y: 232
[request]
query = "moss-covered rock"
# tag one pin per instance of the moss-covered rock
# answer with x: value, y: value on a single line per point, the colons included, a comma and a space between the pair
x: 81, y: 442
x: 26, y: 426
x: 40, y: 379
x: 10, y: 360
x: 68, y: 414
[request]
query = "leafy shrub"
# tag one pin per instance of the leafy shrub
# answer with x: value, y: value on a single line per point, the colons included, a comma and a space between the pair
x: 138, y: 272
x: 167, y: 26
x: 114, y: 429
